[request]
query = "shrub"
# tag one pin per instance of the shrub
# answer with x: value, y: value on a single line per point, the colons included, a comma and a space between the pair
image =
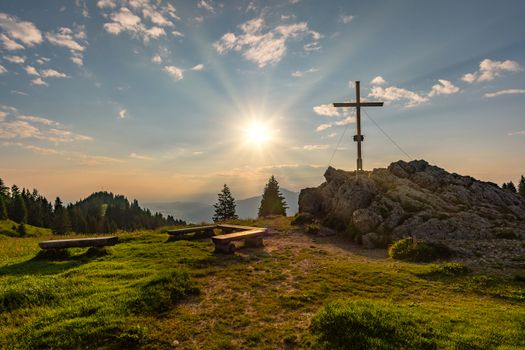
x: 412, y: 250
x: 302, y: 219
x: 365, y: 325
x: 163, y: 291
x: 448, y: 270
x: 21, y: 230
x: 312, y: 229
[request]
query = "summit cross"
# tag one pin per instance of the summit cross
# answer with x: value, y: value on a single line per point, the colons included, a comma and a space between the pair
x: 358, y: 137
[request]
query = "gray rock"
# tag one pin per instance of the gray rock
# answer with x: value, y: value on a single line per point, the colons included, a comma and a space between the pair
x: 415, y: 199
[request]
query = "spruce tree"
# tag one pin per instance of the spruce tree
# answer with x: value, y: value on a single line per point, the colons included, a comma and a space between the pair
x: 225, y: 206
x: 3, y: 209
x: 272, y: 202
x: 61, y: 223
x: 511, y: 187
x: 4, y: 190
x: 18, y: 212
x: 521, y: 186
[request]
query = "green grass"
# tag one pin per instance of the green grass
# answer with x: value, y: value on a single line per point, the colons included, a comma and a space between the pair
x: 149, y: 292
x: 8, y: 228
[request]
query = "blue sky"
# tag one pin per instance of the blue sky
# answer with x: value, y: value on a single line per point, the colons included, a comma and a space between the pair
x: 168, y: 100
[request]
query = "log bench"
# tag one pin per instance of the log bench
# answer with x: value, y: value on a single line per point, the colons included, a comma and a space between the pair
x: 199, y: 231
x: 97, y: 243
x: 252, y: 237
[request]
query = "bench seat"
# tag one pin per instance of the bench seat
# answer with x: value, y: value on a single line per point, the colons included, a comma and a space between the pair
x: 79, y: 243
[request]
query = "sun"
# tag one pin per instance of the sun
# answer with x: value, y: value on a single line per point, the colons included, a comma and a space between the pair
x: 257, y: 134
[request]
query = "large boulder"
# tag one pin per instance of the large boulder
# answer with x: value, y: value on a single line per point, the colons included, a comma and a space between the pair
x: 415, y: 199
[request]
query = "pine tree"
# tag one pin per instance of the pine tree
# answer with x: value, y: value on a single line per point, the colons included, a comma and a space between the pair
x: 521, y: 186
x: 225, y: 207
x: 511, y: 187
x: 18, y: 212
x: 272, y: 202
x: 4, y: 190
x: 3, y: 209
x: 61, y: 223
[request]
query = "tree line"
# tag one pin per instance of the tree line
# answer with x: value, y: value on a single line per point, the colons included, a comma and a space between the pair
x: 272, y: 202
x: 509, y: 186
x: 101, y: 212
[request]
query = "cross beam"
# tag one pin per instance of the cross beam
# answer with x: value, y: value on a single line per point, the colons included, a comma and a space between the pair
x: 358, y: 104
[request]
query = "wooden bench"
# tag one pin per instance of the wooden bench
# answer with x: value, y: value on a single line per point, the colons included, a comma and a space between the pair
x: 206, y: 231
x: 252, y: 237
x: 97, y: 242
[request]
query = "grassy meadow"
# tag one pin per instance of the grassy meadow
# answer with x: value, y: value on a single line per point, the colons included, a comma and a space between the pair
x: 298, y: 292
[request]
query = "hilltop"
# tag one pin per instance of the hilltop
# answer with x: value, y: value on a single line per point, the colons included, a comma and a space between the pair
x: 420, y: 200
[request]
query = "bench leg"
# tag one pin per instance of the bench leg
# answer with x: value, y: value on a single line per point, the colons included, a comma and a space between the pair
x: 227, y: 248
x: 254, y: 242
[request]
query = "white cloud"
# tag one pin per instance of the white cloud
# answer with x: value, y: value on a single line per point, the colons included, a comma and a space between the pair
x: 38, y: 81
x: 393, y: 93
x: 19, y: 93
x: 2, y: 69
x: 106, y: 3
x: 521, y: 132
x: 15, y: 29
x: 68, y: 38
x: 175, y: 72
x: 31, y: 70
x: 122, y: 113
x: 64, y: 37
x: 39, y: 120
x: 177, y: 34
x: 156, y: 59
x: 324, y: 126
x: 489, y: 70
x: 133, y: 19
x: 346, y: 18
x: 348, y: 120
x: 206, y: 5
x: 198, y: 67
x: 51, y: 73
x: 9, y: 43
x: 505, y: 92
x: 379, y: 80
x: 15, y: 59
x: 17, y: 129
x: 139, y: 157
x: 312, y: 147
x: 327, y: 110
x: 300, y: 74
x: 61, y: 136
x: 42, y: 60
x: 444, y: 87
x: 260, y: 46
x: 2, y: 115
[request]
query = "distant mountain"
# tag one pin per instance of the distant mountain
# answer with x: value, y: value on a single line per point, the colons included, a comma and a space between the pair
x: 197, y: 212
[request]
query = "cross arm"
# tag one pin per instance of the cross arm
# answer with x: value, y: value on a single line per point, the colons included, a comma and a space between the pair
x: 360, y: 104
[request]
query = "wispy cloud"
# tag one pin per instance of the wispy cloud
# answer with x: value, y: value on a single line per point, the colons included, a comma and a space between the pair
x: 327, y: 110
x: 198, y: 67
x: 505, y: 92
x: 300, y: 74
x: 39, y: 120
x: 263, y: 45
x: 15, y: 59
x: 139, y: 157
x: 206, y: 5
x: 346, y: 18
x: 489, y: 70
x: 521, y: 132
x: 2, y: 70
x: 66, y: 37
x: 312, y: 147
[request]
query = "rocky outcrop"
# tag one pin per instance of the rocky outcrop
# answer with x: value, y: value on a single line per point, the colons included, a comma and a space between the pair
x: 414, y: 199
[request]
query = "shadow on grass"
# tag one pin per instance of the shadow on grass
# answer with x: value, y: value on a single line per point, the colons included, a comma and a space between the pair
x: 43, y: 264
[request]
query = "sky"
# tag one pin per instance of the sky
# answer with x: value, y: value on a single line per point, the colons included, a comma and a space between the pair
x: 168, y: 100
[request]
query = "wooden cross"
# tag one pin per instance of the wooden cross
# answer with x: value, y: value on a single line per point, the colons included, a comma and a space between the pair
x: 358, y: 104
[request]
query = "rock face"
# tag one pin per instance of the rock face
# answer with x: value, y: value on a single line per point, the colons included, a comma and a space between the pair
x: 414, y: 199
